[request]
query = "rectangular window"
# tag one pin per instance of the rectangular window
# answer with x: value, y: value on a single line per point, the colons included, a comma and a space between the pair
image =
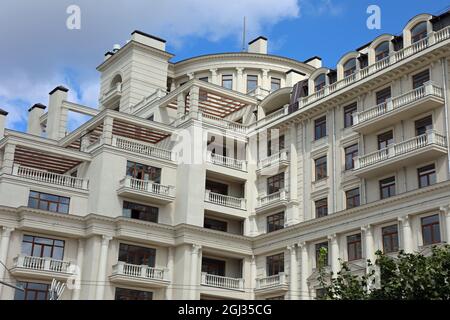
x: 217, y: 187
x: 275, y: 84
x: 137, y: 255
x: 252, y: 83
x: 278, y: 148
x: 423, y: 125
x: 227, y: 81
x: 420, y: 78
x: 390, y: 238
x: 213, y: 266
x: 143, y: 172
x: 140, y: 212
x: 431, y: 233
x: 275, y: 264
x: 48, y: 202
x: 214, y: 224
x: 352, y: 198
x: 351, y: 153
x: 383, y: 95
x: 321, y: 208
x: 321, y: 168
x: 427, y: 176
x: 275, y: 222
x: 42, y: 247
x: 32, y: 291
x: 275, y: 183
x: 318, y: 247
x: 354, y: 251
x: 320, y: 128
x: 387, y: 188
x: 385, y: 139
x: 348, y: 114
x: 129, y: 294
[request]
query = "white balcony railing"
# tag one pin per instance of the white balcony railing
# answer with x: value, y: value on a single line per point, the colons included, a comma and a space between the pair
x: 271, y: 281
x: 222, y: 282
x: 393, y: 150
x: 227, y: 161
x: 272, y: 198
x: 140, y: 271
x: 50, y: 177
x: 273, y: 159
x: 41, y: 264
x: 224, y: 123
x: 223, y: 200
x: 428, y: 89
x: 147, y: 186
x: 141, y: 148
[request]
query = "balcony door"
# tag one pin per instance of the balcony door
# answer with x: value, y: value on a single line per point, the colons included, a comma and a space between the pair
x: 42, y: 247
x: 423, y: 125
x: 143, y: 172
x: 213, y: 266
x: 385, y: 139
x: 137, y: 255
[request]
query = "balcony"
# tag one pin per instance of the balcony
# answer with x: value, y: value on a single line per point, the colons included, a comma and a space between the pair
x: 142, y: 275
x: 212, y: 280
x: 422, y: 148
x: 272, y: 284
x: 145, y: 190
x: 407, y: 105
x: 227, y: 162
x: 142, y: 148
x: 41, y: 268
x: 112, y: 96
x: 272, y: 201
x: 278, y: 160
x: 50, y: 177
x: 225, y: 201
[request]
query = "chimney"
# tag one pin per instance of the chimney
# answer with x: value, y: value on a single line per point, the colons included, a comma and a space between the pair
x: 315, y: 62
x: 149, y: 40
x: 3, y: 115
x: 34, y: 119
x: 57, y: 117
x: 294, y: 76
x: 259, y: 45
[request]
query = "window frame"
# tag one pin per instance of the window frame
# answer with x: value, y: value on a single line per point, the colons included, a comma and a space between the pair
x: 152, y: 213
x: 349, y: 110
x: 421, y: 35
x: 252, y: 78
x: 215, y: 224
x: 275, y: 264
x: 427, y: 171
x: 321, y: 208
x: 355, y: 204
x: 321, y: 168
x: 320, y: 128
x: 354, y: 246
x: 392, y: 237
x: 145, y: 254
x: 275, y: 222
x: 59, y: 202
x: 275, y: 82
x: 227, y: 78
x: 273, y: 180
x: 37, y: 241
x: 353, y: 154
x: 435, y: 238
x: 388, y: 183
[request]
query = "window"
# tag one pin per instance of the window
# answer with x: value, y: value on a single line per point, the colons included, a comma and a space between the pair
x: 423, y: 125
x: 281, y: 145
x: 275, y: 183
x: 48, y: 202
x: 431, y: 233
x: 351, y: 153
x: 354, y: 251
x: 32, y: 291
x: 387, y: 188
x: 352, y: 198
x: 143, y: 172
x: 420, y: 78
x: 385, y: 139
x: 321, y: 208
x: 321, y: 168
x: 349, y: 67
x: 217, y: 187
x: 140, y: 212
x: 348, y: 114
x: 382, y: 51
x: 318, y: 247
x: 252, y: 83
x: 320, y: 128
x: 382, y: 95
x: 275, y: 84
x: 213, y: 266
x: 275, y: 264
x: 128, y: 294
x: 42, y: 247
x: 319, y: 82
x: 227, y: 81
x: 275, y: 222
x: 427, y: 176
x: 205, y: 79
x: 214, y: 224
x: 419, y: 32
x: 137, y: 255
x: 390, y: 238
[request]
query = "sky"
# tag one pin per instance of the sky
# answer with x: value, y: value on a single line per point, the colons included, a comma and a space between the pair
x: 39, y: 52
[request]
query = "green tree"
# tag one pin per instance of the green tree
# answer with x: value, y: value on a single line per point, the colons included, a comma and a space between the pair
x: 406, y: 277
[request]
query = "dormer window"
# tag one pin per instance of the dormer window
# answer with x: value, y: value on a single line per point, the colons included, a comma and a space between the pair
x: 419, y: 32
x: 382, y: 51
x: 319, y: 82
x: 350, y: 67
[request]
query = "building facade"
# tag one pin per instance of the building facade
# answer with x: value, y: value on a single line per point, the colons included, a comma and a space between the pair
x: 222, y: 176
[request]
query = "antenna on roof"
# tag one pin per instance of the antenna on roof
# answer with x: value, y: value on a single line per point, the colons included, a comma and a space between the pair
x: 244, y: 48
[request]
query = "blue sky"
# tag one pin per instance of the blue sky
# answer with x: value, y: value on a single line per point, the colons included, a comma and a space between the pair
x: 42, y: 53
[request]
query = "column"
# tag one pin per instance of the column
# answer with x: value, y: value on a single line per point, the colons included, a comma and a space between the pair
x: 265, y: 79
x: 214, y: 76
x: 406, y: 234
x: 170, y: 265
x: 181, y: 105
x: 108, y: 130
x: 293, y: 273
x: 194, y: 98
x: 334, y: 254
x: 368, y: 243
x: 195, y: 253
x: 8, y: 158
x: 253, y: 275
x: 304, y: 290
x: 101, y: 274
x: 240, y: 80
x: 4, y: 246
x: 446, y: 214
x: 293, y: 210
x: 79, y: 269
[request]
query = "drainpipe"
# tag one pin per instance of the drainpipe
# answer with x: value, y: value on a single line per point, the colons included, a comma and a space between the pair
x: 446, y: 112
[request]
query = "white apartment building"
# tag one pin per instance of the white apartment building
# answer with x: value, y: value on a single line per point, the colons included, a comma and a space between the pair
x: 221, y: 176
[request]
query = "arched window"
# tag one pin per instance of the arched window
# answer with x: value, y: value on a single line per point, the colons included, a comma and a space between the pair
x: 419, y: 31
x: 382, y: 51
x: 319, y: 82
x: 349, y: 67
x: 116, y: 80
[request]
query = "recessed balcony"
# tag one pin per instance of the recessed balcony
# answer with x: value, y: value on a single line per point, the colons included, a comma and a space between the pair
x: 419, y: 149
x: 142, y: 275
x: 278, y: 160
x: 112, y: 97
x: 226, y: 162
x: 146, y: 190
x: 272, y: 201
x: 410, y: 104
x: 212, y: 280
x: 272, y: 284
x: 42, y: 268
